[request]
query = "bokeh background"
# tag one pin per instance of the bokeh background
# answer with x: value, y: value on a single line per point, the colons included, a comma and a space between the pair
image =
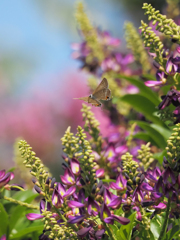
x: 39, y: 78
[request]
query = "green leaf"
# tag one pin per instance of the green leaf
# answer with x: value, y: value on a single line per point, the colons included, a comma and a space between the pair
x: 26, y: 231
x: 156, y: 225
x: 113, y: 228
x: 159, y: 156
x: 144, y: 90
x: 163, y: 131
x: 144, y: 136
x: 24, y: 195
x: 144, y: 233
x: 142, y: 105
x: 172, y: 232
x: 18, y: 212
x: 118, y: 212
x: 31, y: 198
x: 125, y: 232
x: 153, y: 133
x: 3, y: 220
x: 149, y: 77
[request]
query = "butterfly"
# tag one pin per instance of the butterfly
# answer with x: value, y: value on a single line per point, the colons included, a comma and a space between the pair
x: 102, y: 92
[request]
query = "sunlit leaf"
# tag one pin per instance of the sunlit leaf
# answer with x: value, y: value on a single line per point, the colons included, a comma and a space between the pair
x: 4, y: 222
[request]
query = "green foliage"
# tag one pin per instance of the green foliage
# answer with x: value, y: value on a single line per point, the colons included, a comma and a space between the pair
x: 135, y: 43
x: 153, y: 42
x: 143, y: 89
x: 143, y: 105
x: 164, y: 25
x: 125, y: 232
x: 89, y: 33
x: 12, y: 217
x: 173, y: 145
x: 156, y: 225
x: 158, y: 138
x: 130, y: 167
x: 173, y: 233
x: 145, y: 156
x: 92, y: 127
x: 79, y: 147
x: 4, y: 221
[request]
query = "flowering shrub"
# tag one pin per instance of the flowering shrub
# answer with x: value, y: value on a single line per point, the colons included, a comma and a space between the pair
x: 124, y: 184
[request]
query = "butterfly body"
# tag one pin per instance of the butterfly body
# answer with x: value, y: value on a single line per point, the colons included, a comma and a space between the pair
x: 100, y: 93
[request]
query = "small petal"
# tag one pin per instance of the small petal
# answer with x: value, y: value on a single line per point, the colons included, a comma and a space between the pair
x: 99, y: 233
x: 146, y: 187
x: 122, y: 220
x: 83, y: 232
x: 75, y: 166
x: 109, y: 220
x: 139, y: 216
x: 160, y: 206
x: 76, y: 219
x: 115, y: 203
x: 75, y: 204
x: 70, y: 192
x: 100, y: 172
x: 42, y: 205
x: 33, y: 216
x: 152, y: 83
x: 2, y: 173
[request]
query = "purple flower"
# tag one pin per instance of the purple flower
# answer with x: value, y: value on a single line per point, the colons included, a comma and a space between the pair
x: 5, y: 177
x: 63, y: 192
x: 115, y: 203
x: 124, y: 60
x: 92, y: 207
x: 109, y: 218
x: 76, y: 219
x: 171, y: 66
x: 161, y: 79
x: 107, y: 39
x: 108, y: 196
x: 83, y: 232
x: 75, y: 204
x: 3, y: 237
x: 173, y: 96
x: 57, y: 199
x: 75, y: 166
x: 35, y: 216
x: 169, y: 176
x: 100, y: 172
x: 120, y: 183
x: 68, y: 177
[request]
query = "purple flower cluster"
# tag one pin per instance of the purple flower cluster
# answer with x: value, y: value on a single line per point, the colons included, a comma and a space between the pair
x: 172, y: 97
x: 109, y: 160
x: 79, y: 203
x: 171, y: 68
x: 113, y: 60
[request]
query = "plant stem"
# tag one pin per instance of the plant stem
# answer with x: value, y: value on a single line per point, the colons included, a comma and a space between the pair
x: 164, y: 227
x: 21, y: 203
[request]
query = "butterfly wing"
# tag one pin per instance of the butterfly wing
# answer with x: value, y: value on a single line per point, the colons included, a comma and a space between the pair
x: 103, y: 94
x: 86, y: 99
x: 103, y: 84
x: 94, y: 102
